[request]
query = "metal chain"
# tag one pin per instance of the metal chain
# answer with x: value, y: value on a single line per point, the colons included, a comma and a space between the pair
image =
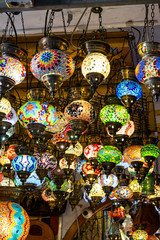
x: 11, y: 27
x: 22, y: 19
x: 50, y: 23
x: 101, y: 28
x: 152, y: 21
x: 4, y: 36
x: 64, y: 25
x: 145, y: 22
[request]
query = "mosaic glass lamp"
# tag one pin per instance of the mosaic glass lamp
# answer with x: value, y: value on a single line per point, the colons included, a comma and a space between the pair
x: 52, y: 65
x: 24, y: 165
x: 113, y: 115
x: 95, y: 66
x: 108, y: 182
x: 14, y: 221
x: 133, y: 153
x: 11, y: 117
x: 61, y: 141
x: 90, y: 173
x: 90, y: 153
x: 140, y: 235
x: 109, y: 156
x: 148, y: 69
x: 5, y: 107
x: 123, y: 192
x: 148, y: 186
x: 37, y: 116
x: 136, y: 188
x: 12, y: 71
x: 79, y: 114
x: 150, y: 152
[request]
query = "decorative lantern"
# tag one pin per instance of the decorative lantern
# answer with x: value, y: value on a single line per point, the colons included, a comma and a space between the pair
x: 5, y: 107
x: 11, y: 117
x: 60, y: 125
x: 140, y: 235
x: 33, y: 179
x: 109, y: 156
x: 79, y: 165
x: 123, y: 192
x: 67, y: 168
x: 61, y: 141
x: 37, y: 116
x: 95, y: 67
x: 148, y: 185
x: 45, y: 160
x: 150, y: 152
x: 148, y: 69
x: 113, y: 115
x: 133, y: 153
x: 24, y: 165
x: 136, y: 188
x: 128, y: 91
x: 110, y: 180
x: 14, y: 221
x: 79, y: 113
x: 75, y: 150
x: 12, y: 71
x: 96, y: 191
x: 91, y: 150
x: 89, y: 172
x: 11, y: 154
x: 52, y: 65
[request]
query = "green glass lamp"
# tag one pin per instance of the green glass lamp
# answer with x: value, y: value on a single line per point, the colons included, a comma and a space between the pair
x: 148, y: 186
x: 150, y: 152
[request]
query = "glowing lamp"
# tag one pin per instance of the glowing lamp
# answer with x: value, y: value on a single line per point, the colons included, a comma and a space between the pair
x: 52, y: 65
x: 12, y: 71
x: 33, y: 179
x: 91, y: 150
x: 60, y: 125
x: 5, y: 107
x: 11, y: 117
x: 95, y: 67
x: 148, y: 69
x: 63, y: 164
x: 45, y: 161
x: 123, y: 192
x: 133, y: 153
x: 79, y: 165
x: 14, y: 221
x: 129, y: 92
x: 96, y: 191
x: 109, y: 154
x: 150, y: 152
x: 136, y: 188
x: 148, y: 186
x: 114, y: 117
x: 140, y: 235
x: 61, y: 141
x: 11, y: 154
x: 111, y: 180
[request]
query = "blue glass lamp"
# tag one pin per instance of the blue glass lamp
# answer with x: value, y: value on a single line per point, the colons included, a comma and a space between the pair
x: 24, y: 165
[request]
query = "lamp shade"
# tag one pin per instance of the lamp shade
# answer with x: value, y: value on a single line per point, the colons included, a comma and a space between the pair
x: 150, y: 150
x: 140, y: 235
x: 129, y: 88
x: 12, y: 68
x: 37, y: 112
x: 52, y: 62
x: 11, y: 154
x: 127, y: 129
x: 123, y: 192
x: 147, y: 68
x: 14, y: 221
x: 11, y: 117
x: 63, y: 164
x: 133, y: 153
x: 91, y: 150
x: 96, y: 63
x: 114, y: 113
x: 79, y: 110
x: 5, y: 106
x: 88, y: 169
x: 59, y: 137
x: 96, y: 191
x: 45, y: 160
x: 24, y: 163
x: 33, y: 179
x: 111, y: 180
x: 109, y: 154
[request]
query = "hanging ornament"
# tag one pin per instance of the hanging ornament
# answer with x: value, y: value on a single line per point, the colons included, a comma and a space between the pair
x: 150, y: 152
x: 140, y: 235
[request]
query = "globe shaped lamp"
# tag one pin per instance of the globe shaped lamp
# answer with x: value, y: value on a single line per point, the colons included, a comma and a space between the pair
x: 12, y: 70
x: 90, y: 153
x: 37, y: 116
x: 52, y: 65
x: 96, y: 193
x: 61, y: 141
x: 5, y: 107
x: 11, y: 117
x: 108, y: 182
x: 95, y: 66
x: 140, y: 235
x: 148, y: 186
x: 150, y: 152
x: 133, y: 153
x: 24, y: 165
x: 68, y: 168
x: 109, y: 156
x: 80, y: 114
x: 148, y: 69
x: 14, y: 221
x: 114, y: 116
x: 136, y: 188
x: 89, y: 172
x: 123, y: 192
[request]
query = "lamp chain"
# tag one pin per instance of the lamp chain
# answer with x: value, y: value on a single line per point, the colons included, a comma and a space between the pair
x: 145, y: 24
x: 24, y: 33
x: 50, y: 23
x: 11, y: 27
x: 152, y: 21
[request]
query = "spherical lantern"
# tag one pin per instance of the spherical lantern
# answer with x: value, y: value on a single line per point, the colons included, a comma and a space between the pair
x: 133, y: 153
x: 91, y: 150
x: 37, y: 112
x: 45, y: 161
x: 150, y: 152
x: 95, y: 67
x: 109, y: 154
x: 33, y: 179
x: 127, y: 129
x: 114, y: 115
x: 11, y: 154
x: 11, y: 117
x: 63, y: 164
x: 123, y: 192
x: 14, y: 221
x: 88, y: 169
x: 148, y: 69
x: 140, y: 235
x: 111, y: 180
x: 4, y: 159
x: 60, y: 125
x: 76, y: 150
x: 129, y: 92
x: 24, y: 163
x: 96, y: 191
x: 5, y: 107
x: 136, y: 188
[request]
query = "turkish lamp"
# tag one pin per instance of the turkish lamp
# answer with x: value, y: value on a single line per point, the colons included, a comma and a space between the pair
x: 109, y: 156
x: 5, y: 107
x: 90, y: 153
x: 136, y: 188
x: 123, y: 192
x: 12, y: 70
x: 24, y: 165
x: 128, y: 91
x: 68, y: 164
x: 89, y: 172
x: 114, y: 115
x: 148, y: 186
x: 108, y: 182
x: 148, y: 70
x: 95, y: 66
x: 96, y: 194
x: 61, y: 141
x: 52, y: 65
x: 140, y: 235
x: 150, y: 152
